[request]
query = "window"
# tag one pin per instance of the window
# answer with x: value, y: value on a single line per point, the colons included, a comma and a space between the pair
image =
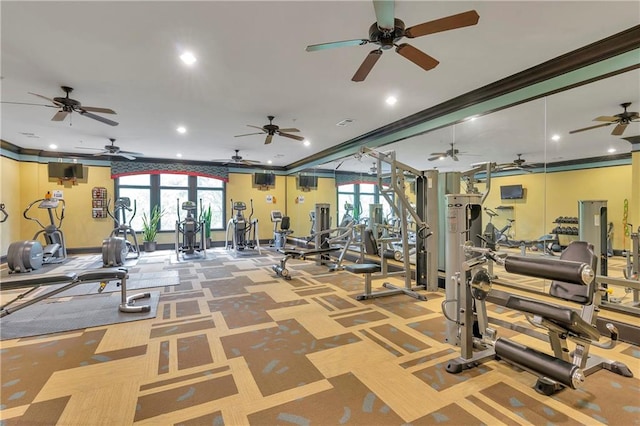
x: 138, y: 189
x: 169, y: 191
x: 359, y: 197
x: 211, y: 192
x: 174, y: 190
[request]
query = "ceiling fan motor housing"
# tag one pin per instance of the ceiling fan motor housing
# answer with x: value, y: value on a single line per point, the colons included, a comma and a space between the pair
x: 386, y: 39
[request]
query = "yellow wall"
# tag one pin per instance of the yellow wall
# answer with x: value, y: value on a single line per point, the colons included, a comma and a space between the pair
x: 547, y: 197
x: 10, y: 197
x: 551, y: 195
x: 300, y: 203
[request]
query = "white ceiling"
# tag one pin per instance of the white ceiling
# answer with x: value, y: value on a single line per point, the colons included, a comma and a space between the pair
x: 252, y: 63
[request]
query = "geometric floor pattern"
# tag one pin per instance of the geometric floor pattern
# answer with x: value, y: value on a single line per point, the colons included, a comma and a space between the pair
x: 233, y: 344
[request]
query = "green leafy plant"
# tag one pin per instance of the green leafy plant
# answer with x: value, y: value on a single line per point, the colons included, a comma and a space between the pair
x: 150, y: 224
x: 205, y: 218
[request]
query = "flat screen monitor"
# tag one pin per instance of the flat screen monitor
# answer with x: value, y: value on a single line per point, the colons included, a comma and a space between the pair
x: 305, y: 181
x: 264, y: 179
x: 66, y: 171
x: 511, y: 192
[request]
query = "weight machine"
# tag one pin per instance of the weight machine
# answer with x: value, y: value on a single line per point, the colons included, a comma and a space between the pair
x: 192, y: 231
x: 117, y: 247
x: 469, y: 287
x: 25, y: 256
x: 244, y: 232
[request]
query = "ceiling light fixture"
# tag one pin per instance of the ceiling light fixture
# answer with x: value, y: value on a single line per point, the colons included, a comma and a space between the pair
x: 345, y: 122
x: 611, y: 150
x: 307, y: 142
x: 182, y: 130
x: 53, y: 146
x: 555, y: 138
x: 269, y: 162
x: 188, y: 58
x: 179, y: 155
x: 391, y: 100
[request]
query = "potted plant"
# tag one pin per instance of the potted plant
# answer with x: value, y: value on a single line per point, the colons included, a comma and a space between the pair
x: 150, y: 228
x: 205, y: 218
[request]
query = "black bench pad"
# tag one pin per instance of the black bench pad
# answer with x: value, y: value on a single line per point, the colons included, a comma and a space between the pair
x: 363, y: 268
x: 562, y: 316
x: 19, y: 281
x: 308, y: 252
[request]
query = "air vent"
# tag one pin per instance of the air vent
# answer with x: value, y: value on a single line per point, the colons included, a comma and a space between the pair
x: 345, y: 122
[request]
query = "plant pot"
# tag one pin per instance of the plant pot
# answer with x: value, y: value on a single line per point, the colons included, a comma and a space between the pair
x: 149, y: 246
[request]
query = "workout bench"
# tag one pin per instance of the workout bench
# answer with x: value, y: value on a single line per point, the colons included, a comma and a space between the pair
x: 302, y: 254
x: 71, y: 279
x: 370, y: 268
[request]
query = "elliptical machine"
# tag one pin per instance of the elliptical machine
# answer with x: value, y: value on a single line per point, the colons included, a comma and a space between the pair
x: 190, y: 227
x: 244, y: 232
x: 116, y: 249
x: 29, y: 255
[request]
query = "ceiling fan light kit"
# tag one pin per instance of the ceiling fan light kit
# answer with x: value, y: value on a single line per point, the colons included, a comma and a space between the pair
x: 388, y: 30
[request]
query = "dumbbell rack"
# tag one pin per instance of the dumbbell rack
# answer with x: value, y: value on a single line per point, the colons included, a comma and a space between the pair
x: 566, y: 230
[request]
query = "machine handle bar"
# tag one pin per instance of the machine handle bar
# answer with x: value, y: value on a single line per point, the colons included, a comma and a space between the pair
x: 60, y: 218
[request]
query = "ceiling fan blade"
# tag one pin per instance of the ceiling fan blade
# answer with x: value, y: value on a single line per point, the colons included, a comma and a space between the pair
x: 44, y: 97
x: 135, y: 154
x: 287, y: 135
x: 268, y: 139
x: 464, y: 19
x: 97, y: 154
x: 256, y: 127
x: 606, y: 118
x: 436, y: 157
x: 28, y: 103
x: 455, y: 157
x: 97, y: 117
x: 249, y: 162
x: 619, y: 129
x: 590, y: 127
x: 92, y: 149
x: 334, y: 44
x: 248, y: 134
x: 60, y: 115
x: 439, y: 154
x: 127, y: 156
x: 385, y: 14
x: 288, y: 130
x: 416, y: 56
x: 367, y: 65
x: 96, y: 109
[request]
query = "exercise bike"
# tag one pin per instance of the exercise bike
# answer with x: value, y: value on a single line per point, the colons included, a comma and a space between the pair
x: 244, y: 232
x: 493, y: 236
x: 189, y: 228
x: 280, y: 235
x: 26, y: 256
x: 116, y: 248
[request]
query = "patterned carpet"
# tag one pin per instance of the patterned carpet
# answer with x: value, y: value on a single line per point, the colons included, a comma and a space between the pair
x: 232, y: 344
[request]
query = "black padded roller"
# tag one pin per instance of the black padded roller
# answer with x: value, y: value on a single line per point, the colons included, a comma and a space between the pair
x: 559, y: 270
x: 543, y: 364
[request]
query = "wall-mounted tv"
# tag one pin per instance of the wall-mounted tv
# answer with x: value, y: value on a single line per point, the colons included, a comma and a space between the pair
x: 511, y: 192
x: 308, y: 182
x: 66, y: 171
x: 264, y: 179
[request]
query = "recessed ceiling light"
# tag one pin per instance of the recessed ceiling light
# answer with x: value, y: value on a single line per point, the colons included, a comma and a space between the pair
x: 53, y: 146
x: 391, y: 100
x: 307, y: 142
x: 188, y: 58
x: 181, y: 130
x: 555, y: 138
x: 269, y: 162
x: 179, y: 155
x: 611, y: 150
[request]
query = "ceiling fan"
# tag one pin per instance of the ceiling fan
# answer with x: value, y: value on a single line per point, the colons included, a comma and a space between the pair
x: 68, y: 105
x: 114, y: 151
x: 453, y: 153
x: 517, y: 164
x: 271, y: 130
x: 622, y: 119
x: 237, y: 159
x: 387, y: 31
